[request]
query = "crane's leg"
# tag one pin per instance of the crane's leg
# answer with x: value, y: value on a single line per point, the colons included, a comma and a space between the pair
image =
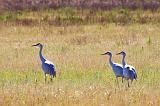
x: 131, y: 81
x: 51, y: 78
x: 128, y: 83
x: 122, y: 79
x: 54, y: 74
x: 45, y: 77
x: 117, y: 81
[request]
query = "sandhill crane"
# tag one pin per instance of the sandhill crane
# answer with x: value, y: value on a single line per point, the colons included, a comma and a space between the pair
x: 129, y: 71
x: 117, y: 68
x: 47, y: 66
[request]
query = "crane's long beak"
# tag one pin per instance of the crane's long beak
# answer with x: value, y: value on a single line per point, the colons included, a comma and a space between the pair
x: 36, y: 44
x: 103, y: 54
x: 33, y: 45
x: 118, y: 53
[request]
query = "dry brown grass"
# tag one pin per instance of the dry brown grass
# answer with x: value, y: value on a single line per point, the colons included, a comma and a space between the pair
x: 84, y: 76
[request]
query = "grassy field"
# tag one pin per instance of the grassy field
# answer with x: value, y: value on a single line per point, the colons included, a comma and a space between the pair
x: 84, y: 77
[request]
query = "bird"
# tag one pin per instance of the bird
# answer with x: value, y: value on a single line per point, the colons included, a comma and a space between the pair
x: 47, y: 66
x: 117, y: 68
x: 129, y: 71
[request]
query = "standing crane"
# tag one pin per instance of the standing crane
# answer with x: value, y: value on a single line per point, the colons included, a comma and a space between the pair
x: 117, y: 68
x: 129, y: 71
x: 47, y: 66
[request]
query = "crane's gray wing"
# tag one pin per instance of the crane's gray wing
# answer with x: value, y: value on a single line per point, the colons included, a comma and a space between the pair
x: 132, y: 71
x: 51, y: 67
x: 118, y: 66
x: 118, y: 69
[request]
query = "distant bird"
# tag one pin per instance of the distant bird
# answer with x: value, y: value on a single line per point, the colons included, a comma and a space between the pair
x: 47, y: 66
x: 129, y: 71
x: 117, y: 68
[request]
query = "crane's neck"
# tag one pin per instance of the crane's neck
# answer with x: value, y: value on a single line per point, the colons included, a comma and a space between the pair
x: 40, y: 54
x: 123, y: 61
x: 110, y: 60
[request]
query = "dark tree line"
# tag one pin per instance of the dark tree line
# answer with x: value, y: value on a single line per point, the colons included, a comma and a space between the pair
x: 102, y: 4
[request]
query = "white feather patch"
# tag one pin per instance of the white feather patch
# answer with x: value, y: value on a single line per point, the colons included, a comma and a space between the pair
x: 48, y: 62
